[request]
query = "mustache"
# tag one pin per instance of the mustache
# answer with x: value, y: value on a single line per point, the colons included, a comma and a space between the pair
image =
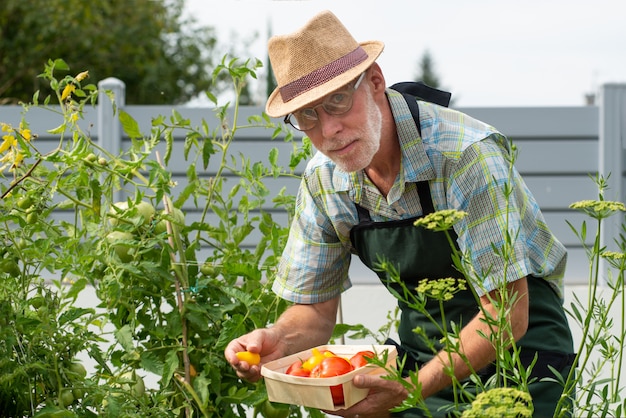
x: 337, y: 145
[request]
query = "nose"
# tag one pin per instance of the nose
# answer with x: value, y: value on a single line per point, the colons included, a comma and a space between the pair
x: 329, y: 125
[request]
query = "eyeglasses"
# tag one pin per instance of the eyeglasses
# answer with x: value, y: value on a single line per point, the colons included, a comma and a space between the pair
x: 336, y: 103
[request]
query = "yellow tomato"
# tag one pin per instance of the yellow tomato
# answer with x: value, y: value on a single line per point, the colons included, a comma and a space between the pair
x: 316, y: 358
x: 248, y: 357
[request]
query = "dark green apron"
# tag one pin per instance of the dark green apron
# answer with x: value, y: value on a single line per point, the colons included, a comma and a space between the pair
x: 418, y: 254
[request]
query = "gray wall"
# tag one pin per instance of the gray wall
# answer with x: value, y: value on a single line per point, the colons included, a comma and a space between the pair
x: 559, y: 149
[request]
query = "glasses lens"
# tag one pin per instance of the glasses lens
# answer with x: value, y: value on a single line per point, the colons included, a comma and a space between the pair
x: 338, y: 102
x: 299, y: 122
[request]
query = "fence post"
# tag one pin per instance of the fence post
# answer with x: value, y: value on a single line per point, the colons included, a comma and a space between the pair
x: 612, y: 143
x: 111, y: 96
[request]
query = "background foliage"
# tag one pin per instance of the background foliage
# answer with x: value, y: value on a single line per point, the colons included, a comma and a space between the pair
x: 162, y: 57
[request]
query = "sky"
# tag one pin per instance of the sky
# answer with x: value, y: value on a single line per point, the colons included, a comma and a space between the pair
x: 488, y: 53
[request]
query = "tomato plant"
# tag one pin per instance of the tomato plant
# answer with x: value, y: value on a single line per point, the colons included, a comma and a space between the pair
x: 64, y: 230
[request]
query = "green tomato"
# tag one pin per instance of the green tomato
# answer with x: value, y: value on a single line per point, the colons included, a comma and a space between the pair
x: 78, y: 393
x: 177, y: 217
x: 25, y: 202
x: 143, y: 209
x: 9, y: 266
x: 134, y: 384
x: 91, y: 158
x: 117, y: 210
x: 115, y: 238
x: 274, y: 410
x: 37, y: 302
x: 77, y: 369
x: 207, y: 269
x: 31, y: 218
x: 146, y: 211
x: 66, y: 398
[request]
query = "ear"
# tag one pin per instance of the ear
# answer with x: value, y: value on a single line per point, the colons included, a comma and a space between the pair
x: 376, y: 79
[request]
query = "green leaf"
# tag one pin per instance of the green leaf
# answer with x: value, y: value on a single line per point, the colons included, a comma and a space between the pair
x: 151, y: 362
x: 96, y: 197
x: 72, y: 314
x: 207, y: 151
x: 273, y: 157
x: 54, y: 412
x: 170, y: 366
x: 169, y: 145
x: 77, y: 287
x: 124, y: 336
x: 129, y: 125
x: 231, y: 329
x: 60, y: 64
x: 201, y: 386
x: 58, y: 130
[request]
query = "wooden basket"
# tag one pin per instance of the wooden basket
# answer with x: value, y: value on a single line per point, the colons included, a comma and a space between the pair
x: 315, y: 392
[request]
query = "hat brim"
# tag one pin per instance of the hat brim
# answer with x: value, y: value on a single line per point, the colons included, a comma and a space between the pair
x: 276, y: 107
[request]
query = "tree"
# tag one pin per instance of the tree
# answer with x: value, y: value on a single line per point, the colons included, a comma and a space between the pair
x: 426, y: 72
x: 162, y: 57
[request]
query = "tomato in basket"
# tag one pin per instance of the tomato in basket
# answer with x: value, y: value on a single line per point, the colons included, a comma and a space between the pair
x: 331, y: 367
x: 359, y: 359
x: 296, y: 369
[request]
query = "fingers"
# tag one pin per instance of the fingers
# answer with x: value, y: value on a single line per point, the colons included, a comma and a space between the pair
x: 260, y: 341
x: 247, y: 372
x: 364, y: 381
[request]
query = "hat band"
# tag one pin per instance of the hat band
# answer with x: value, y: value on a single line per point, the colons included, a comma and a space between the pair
x: 323, y: 74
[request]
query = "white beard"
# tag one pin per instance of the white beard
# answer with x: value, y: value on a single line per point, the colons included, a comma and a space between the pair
x: 369, y: 142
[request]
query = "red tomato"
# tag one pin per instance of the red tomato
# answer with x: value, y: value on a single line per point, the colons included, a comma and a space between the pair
x: 331, y: 367
x: 358, y: 360
x: 296, y: 369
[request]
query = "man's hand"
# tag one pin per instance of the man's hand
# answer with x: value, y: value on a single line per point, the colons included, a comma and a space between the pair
x: 300, y: 327
x: 262, y: 341
x: 383, y: 395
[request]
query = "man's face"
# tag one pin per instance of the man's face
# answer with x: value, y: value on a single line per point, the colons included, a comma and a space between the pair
x: 352, y: 139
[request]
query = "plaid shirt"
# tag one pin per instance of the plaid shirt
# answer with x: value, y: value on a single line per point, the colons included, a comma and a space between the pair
x: 467, y: 164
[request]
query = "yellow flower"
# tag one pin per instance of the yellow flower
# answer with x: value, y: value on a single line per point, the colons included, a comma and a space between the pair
x: 598, y: 209
x: 613, y: 255
x: 81, y: 76
x: 26, y: 134
x: 441, y: 220
x: 441, y: 289
x: 7, y: 142
x: 67, y: 91
x: 501, y: 402
x: 17, y: 160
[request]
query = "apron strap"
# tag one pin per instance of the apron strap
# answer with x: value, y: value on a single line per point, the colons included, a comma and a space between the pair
x: 411, y: 91
x: 423, y: 92
x: 426, y: 200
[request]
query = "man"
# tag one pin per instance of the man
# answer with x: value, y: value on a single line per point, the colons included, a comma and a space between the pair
x: 377, y: 168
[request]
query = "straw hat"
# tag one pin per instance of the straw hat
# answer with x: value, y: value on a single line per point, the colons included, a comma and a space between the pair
x: 314, y: 61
